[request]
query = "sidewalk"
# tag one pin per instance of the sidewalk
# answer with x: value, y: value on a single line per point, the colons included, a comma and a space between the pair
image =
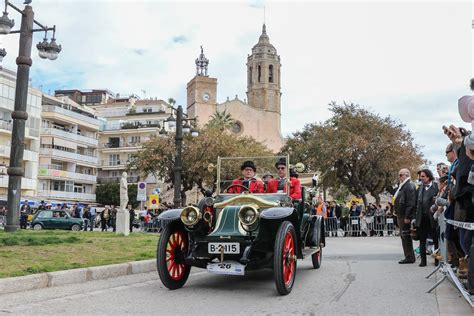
x: 58, y: 278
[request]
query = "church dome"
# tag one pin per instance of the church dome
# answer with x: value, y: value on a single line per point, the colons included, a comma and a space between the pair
x: 263, y: 45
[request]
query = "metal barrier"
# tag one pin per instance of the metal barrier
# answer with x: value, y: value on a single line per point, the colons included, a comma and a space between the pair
x: 152, y: 226
x: 381, y: 225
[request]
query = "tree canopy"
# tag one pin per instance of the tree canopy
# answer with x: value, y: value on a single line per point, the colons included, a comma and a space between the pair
x: 109, y: 194
x: 157, y: 156
x: 221, y: 120
x: 356, y: 148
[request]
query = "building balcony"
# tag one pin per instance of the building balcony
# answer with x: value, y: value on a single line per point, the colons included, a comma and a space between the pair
x: 61, y: 155
x: 28, y: 155
x: 105, y: 180
x: 123, y: 145
x: 66, y: 196
x: 70, y: 136
x: 26, y: 183
x: 6, y: 125
x: 47, y: 172
x: 71, y: 114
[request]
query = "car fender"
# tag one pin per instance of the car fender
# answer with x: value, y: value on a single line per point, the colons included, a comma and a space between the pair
x: 318, y: 233
x: 276, y: 212
x: 169, y: 216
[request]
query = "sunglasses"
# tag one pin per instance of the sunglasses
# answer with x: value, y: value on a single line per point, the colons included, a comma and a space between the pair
x: 281, y: 168
x: 447, y: 152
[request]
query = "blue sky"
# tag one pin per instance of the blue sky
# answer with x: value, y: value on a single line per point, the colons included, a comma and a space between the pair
x: 410, y: 60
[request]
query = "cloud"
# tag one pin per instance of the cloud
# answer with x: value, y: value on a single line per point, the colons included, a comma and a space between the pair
x: 181, y: 39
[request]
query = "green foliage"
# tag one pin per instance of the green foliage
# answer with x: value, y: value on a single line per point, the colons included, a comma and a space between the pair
x: 221, y: 120
x: 109, y: 194
x: 357, y: 149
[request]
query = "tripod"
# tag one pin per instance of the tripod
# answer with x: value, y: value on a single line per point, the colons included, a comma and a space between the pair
x: 444, y: 267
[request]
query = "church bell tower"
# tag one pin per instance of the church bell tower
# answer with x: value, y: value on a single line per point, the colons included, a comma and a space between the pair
x: 263, y: 75
x: 201, y: 92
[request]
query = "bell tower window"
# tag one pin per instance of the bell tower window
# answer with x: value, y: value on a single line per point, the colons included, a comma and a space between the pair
x: 250, y: 74
x: 259, y: 73
x: 270, y: 73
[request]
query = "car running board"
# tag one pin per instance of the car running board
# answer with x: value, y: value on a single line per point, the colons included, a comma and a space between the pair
x: 310, y: 251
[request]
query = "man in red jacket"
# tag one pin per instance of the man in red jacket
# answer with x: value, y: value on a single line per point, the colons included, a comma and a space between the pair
x: 247, y: 180
x: 278, y: 185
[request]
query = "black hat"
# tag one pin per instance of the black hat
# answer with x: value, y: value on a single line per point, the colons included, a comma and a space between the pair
x: 280, y: 162
x: 248, y: 164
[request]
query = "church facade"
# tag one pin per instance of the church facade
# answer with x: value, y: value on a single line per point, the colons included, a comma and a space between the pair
x: 260, y: 116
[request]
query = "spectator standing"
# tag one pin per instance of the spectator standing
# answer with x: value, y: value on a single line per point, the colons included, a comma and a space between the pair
x: 24, y: 211
x: 113, y: 218
x: 132, y: 216
x: 86, y: 218
x: 426, y: 195
x: 405, y: 203
x: 104, y: 218
x: 92, y: 213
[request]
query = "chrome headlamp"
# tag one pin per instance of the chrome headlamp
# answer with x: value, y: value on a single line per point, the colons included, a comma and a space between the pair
x: 248, y: 214
x: 190, y: 215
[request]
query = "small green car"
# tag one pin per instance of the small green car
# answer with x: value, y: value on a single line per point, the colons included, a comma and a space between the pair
x: 233, y: 233
x: 56, y: 219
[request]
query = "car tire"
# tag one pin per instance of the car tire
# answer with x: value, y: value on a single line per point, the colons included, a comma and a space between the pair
x: 316, y: 258
x: 284, y: 258
x: 171, y: 250
x: 37, y: 227
x: 75, y: 228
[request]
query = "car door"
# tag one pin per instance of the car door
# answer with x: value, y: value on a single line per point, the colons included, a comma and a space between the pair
x: 46, y: 219
x: 64, y: 221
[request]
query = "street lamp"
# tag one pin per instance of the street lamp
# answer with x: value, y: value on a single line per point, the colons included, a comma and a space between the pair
x: 178, y: 163
x: 19, y: 115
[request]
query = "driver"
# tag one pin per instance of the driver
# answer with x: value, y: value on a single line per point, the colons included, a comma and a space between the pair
x: 248, y: 180
x: 278, y: 185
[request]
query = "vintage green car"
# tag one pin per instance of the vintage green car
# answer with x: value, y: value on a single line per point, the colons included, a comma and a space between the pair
x: 237, y: 232
x: 56, y: 219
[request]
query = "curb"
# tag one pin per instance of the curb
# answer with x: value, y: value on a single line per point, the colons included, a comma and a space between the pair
x: 74, y: 276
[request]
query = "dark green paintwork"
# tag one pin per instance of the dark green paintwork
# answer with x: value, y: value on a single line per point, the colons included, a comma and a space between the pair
x: 229, y: 224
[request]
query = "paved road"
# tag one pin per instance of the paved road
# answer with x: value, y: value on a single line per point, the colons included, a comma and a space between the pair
x: 358, y: 276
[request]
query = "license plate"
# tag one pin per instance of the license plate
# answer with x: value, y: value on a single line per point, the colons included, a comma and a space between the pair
x: 229, y: 247
x: 226, y: 267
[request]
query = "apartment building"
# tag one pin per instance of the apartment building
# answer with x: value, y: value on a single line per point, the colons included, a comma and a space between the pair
x: 128, y: 123
x: 32, y: 133
x: 68, y: 155
x: 91, y: 97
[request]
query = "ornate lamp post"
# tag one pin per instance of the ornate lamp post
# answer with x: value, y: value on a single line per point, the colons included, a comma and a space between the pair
x: 46, y: 50
x: 178, y: 162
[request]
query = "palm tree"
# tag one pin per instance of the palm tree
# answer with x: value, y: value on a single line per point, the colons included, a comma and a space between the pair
x: 221, y: 120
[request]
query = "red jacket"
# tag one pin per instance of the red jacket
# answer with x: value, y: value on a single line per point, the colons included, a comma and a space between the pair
x: 295, y: 187
x: 255, y: 186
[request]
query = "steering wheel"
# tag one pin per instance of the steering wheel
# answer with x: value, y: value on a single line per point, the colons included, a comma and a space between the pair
x: 236, y: 185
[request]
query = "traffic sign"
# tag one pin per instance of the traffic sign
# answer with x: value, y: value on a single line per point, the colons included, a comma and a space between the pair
x: 141, y: 191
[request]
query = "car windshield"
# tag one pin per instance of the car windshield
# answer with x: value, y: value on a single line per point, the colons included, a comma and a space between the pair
x: 237, y: 175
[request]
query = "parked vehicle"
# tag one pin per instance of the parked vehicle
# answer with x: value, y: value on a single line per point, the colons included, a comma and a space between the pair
x: 56, y: 219
x: 234, y: 233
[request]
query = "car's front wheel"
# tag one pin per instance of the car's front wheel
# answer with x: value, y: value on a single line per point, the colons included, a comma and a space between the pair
x: 170, y: 253
x: 284, y: 258
x: 75, y: 228
x: 37, y: 227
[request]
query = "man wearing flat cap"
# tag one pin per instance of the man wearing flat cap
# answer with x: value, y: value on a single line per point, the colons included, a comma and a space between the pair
x: 278, y: 185
x: 247, y: 180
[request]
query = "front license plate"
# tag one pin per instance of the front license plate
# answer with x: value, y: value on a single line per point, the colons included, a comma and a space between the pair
x: 229, y: 247
x: 226, y: 267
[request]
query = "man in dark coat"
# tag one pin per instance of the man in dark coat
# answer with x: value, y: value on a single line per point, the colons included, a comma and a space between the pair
x: 405, y: 202
x: 425, y: 223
